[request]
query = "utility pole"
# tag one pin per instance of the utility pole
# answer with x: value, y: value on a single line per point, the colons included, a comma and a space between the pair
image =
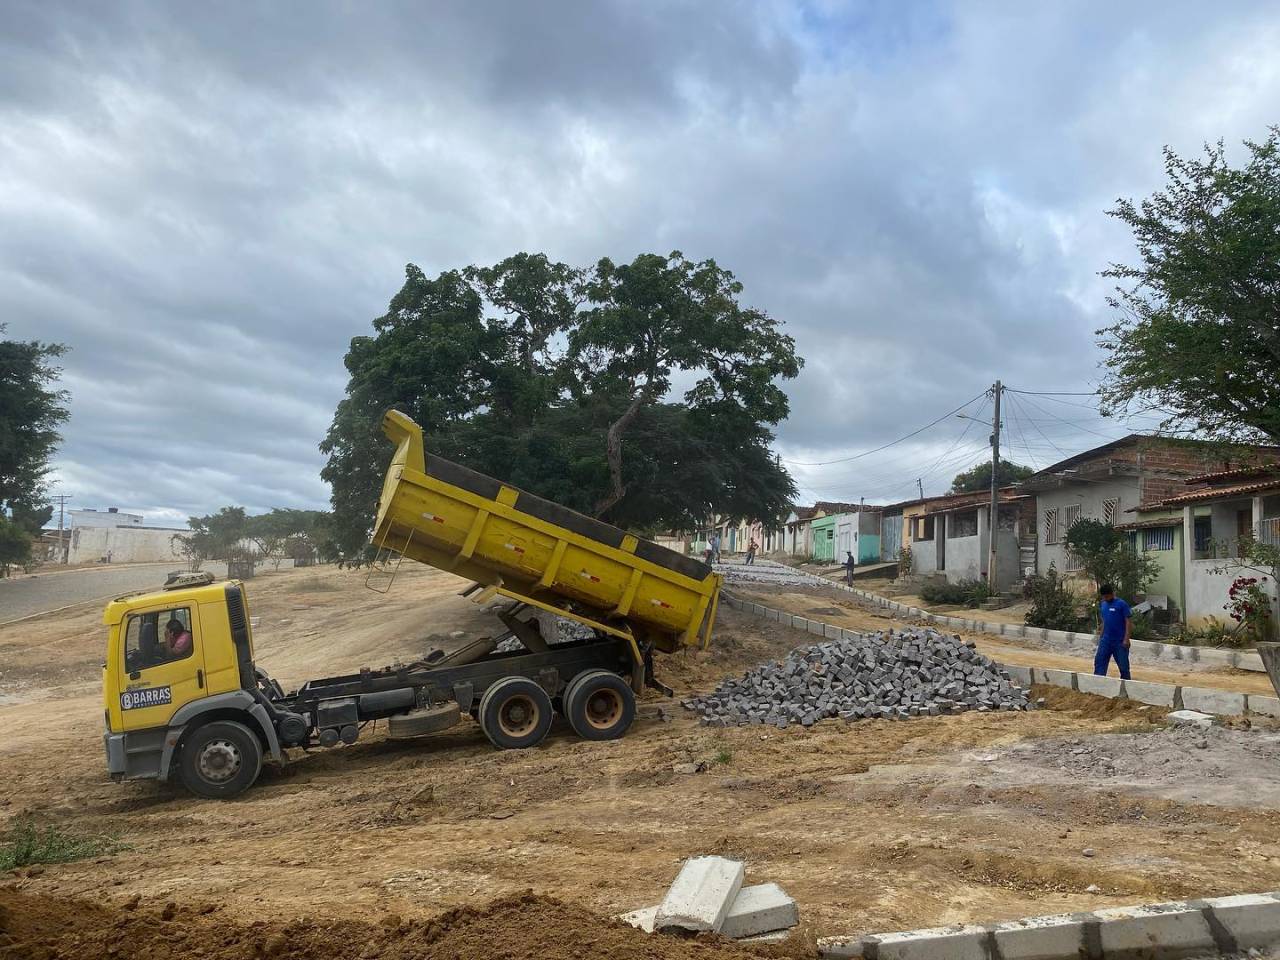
x: 62, y: 499
x: 997, y: 389
x: 920, y: 487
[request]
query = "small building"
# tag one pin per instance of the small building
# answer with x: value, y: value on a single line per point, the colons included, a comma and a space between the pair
x: 110, y: 517
x: 950, y: 535
x: 798, y: 538
x: 1197, y: 534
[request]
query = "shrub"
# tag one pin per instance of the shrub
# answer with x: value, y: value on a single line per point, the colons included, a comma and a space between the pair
x: 1213, y: 633
x: 1249, y: 605
x: 965, y: 593
x: 906, y: 562
x: 1141, y: 627
x: 26, y: 844
x: 1053, y: 604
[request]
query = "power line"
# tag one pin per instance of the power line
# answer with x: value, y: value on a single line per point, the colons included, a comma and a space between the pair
x: 1042, y: 433
x: 1050, y: 393
x: 1022, y: 434
x: 1050, y: 413
x: 867, y: 453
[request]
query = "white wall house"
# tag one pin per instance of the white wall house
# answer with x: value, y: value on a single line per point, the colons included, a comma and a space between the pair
x: 1227, y: 508
x: 952, y: 537
x: 1107, y: 482
x: 111, y: 517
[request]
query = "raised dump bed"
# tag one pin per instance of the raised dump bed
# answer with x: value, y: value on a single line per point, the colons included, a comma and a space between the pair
x: 531, y: 550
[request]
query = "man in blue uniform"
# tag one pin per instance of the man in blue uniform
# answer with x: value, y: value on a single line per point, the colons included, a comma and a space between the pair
x: 1113, y: 633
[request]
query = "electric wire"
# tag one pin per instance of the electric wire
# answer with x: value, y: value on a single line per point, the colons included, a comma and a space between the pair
x: 867, y: 453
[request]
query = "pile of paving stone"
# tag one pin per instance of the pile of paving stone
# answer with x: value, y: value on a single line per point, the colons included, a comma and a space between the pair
x: 886, y: 675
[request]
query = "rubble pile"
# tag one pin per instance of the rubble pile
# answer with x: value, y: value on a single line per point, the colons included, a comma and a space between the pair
x: 884, y: 675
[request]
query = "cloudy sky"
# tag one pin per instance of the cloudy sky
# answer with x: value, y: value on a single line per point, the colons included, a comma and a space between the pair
x: 206, y: 202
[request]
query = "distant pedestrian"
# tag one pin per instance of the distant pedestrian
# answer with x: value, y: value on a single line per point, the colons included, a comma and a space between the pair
x: 715, y: 548
x: 1115, y: 627
x: 850, y: 564
x: 751, y: 551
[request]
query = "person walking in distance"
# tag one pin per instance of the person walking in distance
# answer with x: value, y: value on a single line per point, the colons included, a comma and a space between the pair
x: 850, y: 564
x: 751, y: 551
x: 1115, y: 626
x: 715, y: 548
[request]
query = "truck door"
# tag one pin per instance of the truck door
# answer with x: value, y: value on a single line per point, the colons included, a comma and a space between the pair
x: 163, y: 664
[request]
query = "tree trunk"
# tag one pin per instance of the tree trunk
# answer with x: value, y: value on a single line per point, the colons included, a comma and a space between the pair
x: 613, y: 452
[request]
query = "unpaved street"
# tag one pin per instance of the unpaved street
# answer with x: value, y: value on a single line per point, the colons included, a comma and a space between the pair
x: 873, y: 826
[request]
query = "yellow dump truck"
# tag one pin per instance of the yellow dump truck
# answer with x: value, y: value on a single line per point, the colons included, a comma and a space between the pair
x: 184, y: 698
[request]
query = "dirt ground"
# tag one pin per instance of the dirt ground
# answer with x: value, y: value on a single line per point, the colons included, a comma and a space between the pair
x: 874, y: 826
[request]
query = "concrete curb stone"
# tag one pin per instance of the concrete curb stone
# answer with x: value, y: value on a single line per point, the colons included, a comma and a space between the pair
x: 1207, y: 700
x: 700, y: 897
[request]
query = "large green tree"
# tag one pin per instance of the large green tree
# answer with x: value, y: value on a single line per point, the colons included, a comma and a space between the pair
x: 1198, y: 333
x: 547, y: 376
x: 32, y: 408
x: 979, y: 477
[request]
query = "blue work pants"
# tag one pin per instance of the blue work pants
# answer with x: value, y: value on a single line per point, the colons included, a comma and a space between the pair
x: 1109, y: 650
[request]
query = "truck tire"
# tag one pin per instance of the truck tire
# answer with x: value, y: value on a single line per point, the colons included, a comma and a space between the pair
x: 515, y: 713
x: 219, y: 760
x: 424, y: 720
x: 599, y: 705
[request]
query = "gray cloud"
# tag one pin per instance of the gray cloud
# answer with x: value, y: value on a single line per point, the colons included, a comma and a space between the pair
x: 207, y: 204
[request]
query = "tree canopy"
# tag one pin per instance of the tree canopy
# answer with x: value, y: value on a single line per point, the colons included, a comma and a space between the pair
x: 276, y: 535
x: 979, y: 477
x: 643, y: 393
x: 1198, y: 334
x: 32, y: 408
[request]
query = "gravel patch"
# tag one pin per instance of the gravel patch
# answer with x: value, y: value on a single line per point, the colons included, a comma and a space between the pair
x: 883, y: 675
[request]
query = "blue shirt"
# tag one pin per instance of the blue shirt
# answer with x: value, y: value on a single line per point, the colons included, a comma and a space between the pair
x: 1114, y: 614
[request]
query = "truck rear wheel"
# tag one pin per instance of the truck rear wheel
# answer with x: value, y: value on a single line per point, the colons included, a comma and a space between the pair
x: 515, y: 713
x: 219, y: 760
x: 599, y: 705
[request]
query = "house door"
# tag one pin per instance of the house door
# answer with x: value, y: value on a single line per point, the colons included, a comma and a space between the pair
x: 940, y: 534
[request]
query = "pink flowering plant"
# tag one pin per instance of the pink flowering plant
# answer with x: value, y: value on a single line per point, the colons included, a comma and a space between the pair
x: 1249, y: 605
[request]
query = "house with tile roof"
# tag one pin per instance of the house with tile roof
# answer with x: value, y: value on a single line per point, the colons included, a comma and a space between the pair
x: 1110, y: 482
x: 1196, y: 533
x: 949, y: 535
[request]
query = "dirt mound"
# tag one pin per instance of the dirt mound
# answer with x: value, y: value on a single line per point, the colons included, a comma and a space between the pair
x: 523, y: 926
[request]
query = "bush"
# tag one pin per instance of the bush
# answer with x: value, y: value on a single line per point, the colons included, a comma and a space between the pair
x: 1141, y: 627
x: 26, y: 844
x: 1213, y: 633
x: 966, y: 593
x: 1053, y: 604
x: 906, y: 562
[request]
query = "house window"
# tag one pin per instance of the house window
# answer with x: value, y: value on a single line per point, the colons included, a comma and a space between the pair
x: 1158, y: 539
x: 924, y: 528
x: 1051, y: 525
x: 1110, y: 507
x: 1069, y: 516
x: 1204, y: 534
x: 964, y: 524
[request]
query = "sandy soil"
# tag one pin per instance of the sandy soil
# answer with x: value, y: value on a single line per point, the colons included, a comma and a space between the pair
x: 832, y: 606
x: 875, y: 826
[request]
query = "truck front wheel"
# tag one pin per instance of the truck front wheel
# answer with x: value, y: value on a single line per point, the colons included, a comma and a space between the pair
x: 220, y: 760
x: 599, y: 705
x: 515, y: 713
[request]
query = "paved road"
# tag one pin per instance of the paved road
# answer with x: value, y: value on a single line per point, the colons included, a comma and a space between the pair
x: 50, y: 591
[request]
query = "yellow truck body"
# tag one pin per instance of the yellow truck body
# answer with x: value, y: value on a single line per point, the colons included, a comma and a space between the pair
x: 534, y: 551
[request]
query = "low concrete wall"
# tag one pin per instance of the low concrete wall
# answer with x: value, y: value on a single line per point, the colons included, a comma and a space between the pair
x: 1226, y: 926
x: 124, y: 544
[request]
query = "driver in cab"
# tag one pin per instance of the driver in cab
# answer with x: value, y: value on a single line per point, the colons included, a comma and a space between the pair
x: 177, y: 640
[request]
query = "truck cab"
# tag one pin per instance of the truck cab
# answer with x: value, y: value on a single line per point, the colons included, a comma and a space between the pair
x: 181, y: 693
